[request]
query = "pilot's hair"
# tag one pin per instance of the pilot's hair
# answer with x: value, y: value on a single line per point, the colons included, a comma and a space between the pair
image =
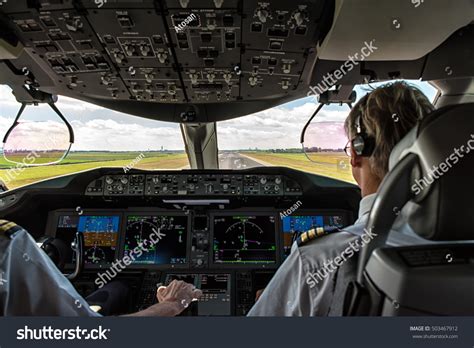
x: 387, y: 114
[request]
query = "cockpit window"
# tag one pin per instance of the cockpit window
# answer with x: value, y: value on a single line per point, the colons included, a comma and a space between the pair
x: 106, y: 138
x: 272, y: 137
x: 103, y: 138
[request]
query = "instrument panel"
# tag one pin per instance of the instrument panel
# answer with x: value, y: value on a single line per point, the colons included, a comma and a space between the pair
x: 229, y: 241
x: 164, y: 239
x: 168, y: 51
x: 193, y: 185
x: 227, y: 254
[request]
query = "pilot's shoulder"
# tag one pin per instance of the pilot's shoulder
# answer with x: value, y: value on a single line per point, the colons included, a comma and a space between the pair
x: 313, y: 250
x: 311, y: 242
x: 314, y: 234
x: 8, y: 228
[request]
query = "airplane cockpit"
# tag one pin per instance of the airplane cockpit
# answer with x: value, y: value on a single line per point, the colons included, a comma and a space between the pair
x: 223, y: 218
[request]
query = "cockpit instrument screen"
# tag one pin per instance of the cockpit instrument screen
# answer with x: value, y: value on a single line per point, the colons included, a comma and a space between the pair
x: 244, y: 239
x: 156, y: 240
x: 100, y: 238
x: 294, y: 225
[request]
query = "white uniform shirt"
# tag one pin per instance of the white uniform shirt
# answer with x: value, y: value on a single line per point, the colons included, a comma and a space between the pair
x: 293, y: 292
x: 31, y: 284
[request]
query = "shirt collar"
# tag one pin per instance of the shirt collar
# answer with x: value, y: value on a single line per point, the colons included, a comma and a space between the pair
x: 366, y: 204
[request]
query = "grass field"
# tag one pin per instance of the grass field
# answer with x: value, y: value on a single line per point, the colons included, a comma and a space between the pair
x: 78, y: 161
x: 335, y: 165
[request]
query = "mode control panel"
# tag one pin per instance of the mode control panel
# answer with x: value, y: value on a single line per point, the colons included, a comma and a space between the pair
x: 208, y: 184
x: 193, y: 184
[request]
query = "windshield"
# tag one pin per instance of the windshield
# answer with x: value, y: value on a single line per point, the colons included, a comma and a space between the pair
x: 272, y: 137
x: 105, y: 138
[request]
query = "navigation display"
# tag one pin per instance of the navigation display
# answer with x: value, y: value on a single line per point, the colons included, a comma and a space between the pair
x: 100, y: 238
x: 244, y: 239
x: 293, y: 226
x: 156, y: 240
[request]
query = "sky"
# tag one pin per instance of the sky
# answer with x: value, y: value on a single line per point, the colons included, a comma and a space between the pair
x: 97, y: 128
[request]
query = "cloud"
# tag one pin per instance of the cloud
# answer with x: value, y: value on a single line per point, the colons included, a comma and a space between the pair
x: 97, y: 128
x: 278, y: 127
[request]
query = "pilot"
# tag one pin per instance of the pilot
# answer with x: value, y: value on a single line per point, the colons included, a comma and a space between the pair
x: 31, y: 284
x: 305, y: 284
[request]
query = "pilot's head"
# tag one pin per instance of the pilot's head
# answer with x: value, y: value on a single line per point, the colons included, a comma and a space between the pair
x: 376, y: 124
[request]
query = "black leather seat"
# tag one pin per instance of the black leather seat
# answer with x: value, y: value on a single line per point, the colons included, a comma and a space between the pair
x: 432, y: 279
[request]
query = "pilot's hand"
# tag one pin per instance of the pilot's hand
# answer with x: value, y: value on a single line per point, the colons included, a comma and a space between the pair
x: 258, y: 294
x: 178, y: 292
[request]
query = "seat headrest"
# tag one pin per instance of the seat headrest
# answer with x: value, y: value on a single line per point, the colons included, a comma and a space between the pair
x: 442, y: 182
x: 402, y: 147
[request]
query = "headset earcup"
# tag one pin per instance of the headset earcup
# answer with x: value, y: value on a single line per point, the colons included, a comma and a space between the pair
x: 358, y: 144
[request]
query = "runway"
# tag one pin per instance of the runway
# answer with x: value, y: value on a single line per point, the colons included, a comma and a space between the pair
x: 234, y: 160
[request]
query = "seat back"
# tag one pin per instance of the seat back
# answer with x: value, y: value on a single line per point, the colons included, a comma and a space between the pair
x: 431, y: 170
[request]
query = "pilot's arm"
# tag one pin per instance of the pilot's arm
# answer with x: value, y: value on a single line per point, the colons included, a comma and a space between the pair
x: 30, y: 283
x: 287, y: 294
x: 292, y: 291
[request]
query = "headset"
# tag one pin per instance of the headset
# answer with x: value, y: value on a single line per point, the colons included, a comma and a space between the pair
x: 362, y: 143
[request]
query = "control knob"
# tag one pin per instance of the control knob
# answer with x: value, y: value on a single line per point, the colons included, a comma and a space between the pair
x: 227, y: 78
x: 119, y: 57
x: 162, y: 56
x: 194, y: 78
x: 144, y: 49
x: 149, y: 77
x: 253, y: 80
x: 262, y: 14
x: 211, y: 77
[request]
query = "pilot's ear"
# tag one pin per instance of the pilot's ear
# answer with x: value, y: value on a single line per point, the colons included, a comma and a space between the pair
x: 356, y: 160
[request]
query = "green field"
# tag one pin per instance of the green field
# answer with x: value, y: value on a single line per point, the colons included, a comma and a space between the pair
x: 335, y: 165
x: 78, y: 161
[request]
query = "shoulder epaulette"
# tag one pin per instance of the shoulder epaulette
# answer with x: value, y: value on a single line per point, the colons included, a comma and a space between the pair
x: 8, y: 228
x: 314, y: 233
